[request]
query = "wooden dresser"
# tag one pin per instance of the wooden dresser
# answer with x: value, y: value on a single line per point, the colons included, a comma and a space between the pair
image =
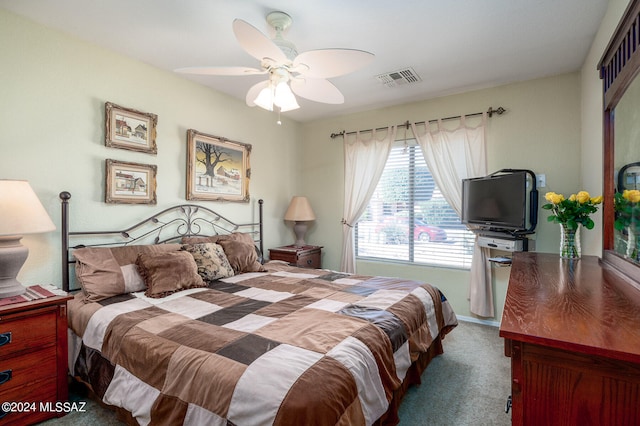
x: 33, y: 359
x: 304, y: 257
x: 572, y: 330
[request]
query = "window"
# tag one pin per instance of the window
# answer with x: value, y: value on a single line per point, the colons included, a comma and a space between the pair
x: 405, y: 199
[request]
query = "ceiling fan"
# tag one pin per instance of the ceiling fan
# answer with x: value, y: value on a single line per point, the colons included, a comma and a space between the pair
x: 304, y: 74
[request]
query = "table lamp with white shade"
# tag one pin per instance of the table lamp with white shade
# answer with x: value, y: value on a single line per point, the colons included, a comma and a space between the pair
x: 300, y: 212
x: 20, y: 213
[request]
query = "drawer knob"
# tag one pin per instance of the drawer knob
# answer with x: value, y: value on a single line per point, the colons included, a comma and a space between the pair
x: 5, y: 338
x: 5, y: 376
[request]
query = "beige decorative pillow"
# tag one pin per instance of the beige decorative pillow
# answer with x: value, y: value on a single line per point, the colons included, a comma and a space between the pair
x: 242, y: 256
x: 109, y: 271
x: 211, y: 260
x: 167, y: 273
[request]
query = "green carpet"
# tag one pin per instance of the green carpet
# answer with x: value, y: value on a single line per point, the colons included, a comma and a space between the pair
x: 467, y: 385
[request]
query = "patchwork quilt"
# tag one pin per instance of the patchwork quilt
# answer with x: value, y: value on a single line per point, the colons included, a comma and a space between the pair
x: 287, y: 346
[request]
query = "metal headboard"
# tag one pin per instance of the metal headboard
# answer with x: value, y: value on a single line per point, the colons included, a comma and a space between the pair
x: 169, y: 225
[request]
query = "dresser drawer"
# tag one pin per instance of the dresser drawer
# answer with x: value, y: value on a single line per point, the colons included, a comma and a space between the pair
x: 44, y: 391
x: 20, y: 371
x: 27, y: 331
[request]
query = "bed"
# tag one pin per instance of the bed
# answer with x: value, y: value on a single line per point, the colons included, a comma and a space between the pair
x: 194, y: 328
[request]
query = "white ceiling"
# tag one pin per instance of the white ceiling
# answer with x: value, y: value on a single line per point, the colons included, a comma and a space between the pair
x: 453, y: 45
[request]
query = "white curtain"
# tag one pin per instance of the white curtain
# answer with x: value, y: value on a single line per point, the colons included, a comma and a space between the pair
x: 453, y: 155
x: 364, y: 160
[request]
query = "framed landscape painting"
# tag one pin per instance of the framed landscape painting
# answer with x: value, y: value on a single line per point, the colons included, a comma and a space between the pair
x: 130, y: 183
x: 217, y: 168
x: 130, y: 129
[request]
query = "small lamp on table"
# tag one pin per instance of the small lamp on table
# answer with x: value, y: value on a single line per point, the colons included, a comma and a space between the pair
x: 300, y: 212
x: 20, y: 213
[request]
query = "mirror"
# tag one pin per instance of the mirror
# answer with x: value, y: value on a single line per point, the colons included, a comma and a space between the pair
x: 619, y: 66
x: 626, y: 160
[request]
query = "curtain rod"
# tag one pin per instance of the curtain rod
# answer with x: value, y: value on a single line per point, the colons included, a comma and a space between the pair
x: 490, y: 113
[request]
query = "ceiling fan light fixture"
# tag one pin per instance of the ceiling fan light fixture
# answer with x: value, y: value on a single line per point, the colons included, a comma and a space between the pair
x: 265, y: 98
x: 284, y: 97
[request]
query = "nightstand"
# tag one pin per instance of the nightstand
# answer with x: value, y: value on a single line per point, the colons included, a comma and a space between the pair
x: 33, y: 357
x: 304, y: 257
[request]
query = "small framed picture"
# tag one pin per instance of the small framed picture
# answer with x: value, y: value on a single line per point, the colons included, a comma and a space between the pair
x: 130, y: 129
x: 130, y: 183
x: 217, y: 168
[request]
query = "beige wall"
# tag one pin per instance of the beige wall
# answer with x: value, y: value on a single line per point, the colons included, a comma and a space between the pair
x: 52, y: 90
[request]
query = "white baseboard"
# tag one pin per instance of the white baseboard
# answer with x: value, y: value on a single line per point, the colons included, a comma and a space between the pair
x: 492, y: 323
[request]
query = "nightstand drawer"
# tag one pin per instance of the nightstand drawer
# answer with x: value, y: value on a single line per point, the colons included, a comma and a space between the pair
x: 20, y: 371
x: 310, y: 260
x: 44, y: 391
x: 31, y: 330
x: 33, y: 357
x: 301, y: 256
x: 285, y: 257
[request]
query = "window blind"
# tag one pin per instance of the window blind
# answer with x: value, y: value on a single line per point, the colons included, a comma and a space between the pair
x: 408, y: 219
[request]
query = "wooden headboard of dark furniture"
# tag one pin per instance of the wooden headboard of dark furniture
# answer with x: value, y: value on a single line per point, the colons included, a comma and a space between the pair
x: 167, y: 226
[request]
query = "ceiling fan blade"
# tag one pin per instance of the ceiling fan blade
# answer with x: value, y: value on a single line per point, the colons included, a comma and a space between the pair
x: 254, y: 91
x: 328, y: 63
x: 317, y: 89
x: 255, y: 43
x: 221, y: 70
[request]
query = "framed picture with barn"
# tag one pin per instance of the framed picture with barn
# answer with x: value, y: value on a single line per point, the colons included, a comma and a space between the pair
x: 130, y: 183
x: 130, y: 129
x: 217, y: 169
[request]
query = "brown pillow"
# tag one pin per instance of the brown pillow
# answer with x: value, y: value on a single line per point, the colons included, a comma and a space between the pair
x: 242, y: 256
x: 211, y: 260
x: 109, y: 271
x: 248, y: 238
x: 166, y: 273
x: 236, y: 236
x: 243, y: 237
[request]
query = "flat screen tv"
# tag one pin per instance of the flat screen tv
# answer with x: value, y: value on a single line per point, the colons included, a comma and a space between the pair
x: 496, y: 201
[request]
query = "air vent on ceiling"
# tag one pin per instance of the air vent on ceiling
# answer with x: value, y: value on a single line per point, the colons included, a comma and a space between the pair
x: 399, y: 78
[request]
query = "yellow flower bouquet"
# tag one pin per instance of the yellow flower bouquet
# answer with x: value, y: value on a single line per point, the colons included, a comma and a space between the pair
x: 627, y: 207
x: 570, y: 213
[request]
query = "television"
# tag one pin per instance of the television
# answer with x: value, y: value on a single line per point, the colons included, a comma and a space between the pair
x: 497, y: 202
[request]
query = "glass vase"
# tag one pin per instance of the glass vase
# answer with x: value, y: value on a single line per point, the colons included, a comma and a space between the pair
x: 570, y: 242
x: 632, y: 244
